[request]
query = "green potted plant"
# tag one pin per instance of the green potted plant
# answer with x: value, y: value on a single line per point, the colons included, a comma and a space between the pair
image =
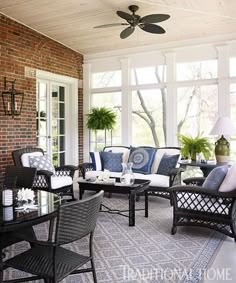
x: 101, y: 119
x: 191, y: 146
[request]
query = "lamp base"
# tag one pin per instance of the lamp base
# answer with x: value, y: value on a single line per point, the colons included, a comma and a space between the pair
x: 222, y: 150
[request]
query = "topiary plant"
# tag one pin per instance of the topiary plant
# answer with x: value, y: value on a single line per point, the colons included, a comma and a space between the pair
x: 190, y: 146
x: 101, y: 119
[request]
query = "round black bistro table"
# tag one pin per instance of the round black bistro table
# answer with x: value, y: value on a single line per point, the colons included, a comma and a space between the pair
x: 20, y: 210
x: 41, y: 207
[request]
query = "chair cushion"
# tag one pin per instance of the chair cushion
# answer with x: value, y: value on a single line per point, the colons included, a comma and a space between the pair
x: 167, y: 163
x: 229, y: 183
x: 25, y: 157
x: 60, y: 181
x: 215, y: 178
x: 96, y: 160
x: 142, y: 159
x: 41, y: 163
x: 111, y: 161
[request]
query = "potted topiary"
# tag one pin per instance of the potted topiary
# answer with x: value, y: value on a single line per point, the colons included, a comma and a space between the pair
x: 191, y: 146
x: 101, y: 119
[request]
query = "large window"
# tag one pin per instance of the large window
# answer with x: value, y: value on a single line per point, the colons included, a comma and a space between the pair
x: 232, y: 67
x: 106, y: 79
x: 233, y: 119
x: 148, y: 117
x: 148, y: 75
x: 197, y: 109
x: 197, y: 70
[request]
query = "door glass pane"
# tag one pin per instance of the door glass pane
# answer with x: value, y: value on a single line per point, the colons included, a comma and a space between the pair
x: 58, y: 124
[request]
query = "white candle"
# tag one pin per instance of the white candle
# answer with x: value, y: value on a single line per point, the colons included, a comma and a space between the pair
x: 16, y: 106
x: 7, y: 197
x: 8, y: 106
x: 8, y: 213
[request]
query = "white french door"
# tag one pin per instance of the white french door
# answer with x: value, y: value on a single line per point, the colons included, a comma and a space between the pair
x: 51, y: 119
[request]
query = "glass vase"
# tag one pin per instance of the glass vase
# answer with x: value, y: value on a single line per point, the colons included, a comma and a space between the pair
x: 127, y: 175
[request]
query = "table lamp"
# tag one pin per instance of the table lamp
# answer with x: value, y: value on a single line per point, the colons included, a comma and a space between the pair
x: 223, y: 126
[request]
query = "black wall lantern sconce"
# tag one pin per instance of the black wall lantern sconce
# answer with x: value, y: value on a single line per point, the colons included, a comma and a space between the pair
x: 12, y: 100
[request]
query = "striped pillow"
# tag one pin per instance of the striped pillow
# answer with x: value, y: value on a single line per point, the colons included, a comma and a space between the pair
x: 96, y: 160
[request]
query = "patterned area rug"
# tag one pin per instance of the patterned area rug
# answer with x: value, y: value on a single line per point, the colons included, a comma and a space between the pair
x: 144, y: 253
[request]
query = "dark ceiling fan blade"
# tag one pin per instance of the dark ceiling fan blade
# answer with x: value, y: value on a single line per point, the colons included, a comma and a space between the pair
x: 125, y: 15
x: 152, y: 28
x: 112, y: 25
x: 126, y: 32
x: 154, y: 18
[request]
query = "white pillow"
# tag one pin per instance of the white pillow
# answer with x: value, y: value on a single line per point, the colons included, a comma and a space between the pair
x: 229, y: 183
x: 25, y: 157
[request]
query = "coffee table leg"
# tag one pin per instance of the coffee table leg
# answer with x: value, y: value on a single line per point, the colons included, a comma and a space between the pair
x: 81, y: 191
x: 132, y: 196
x: 146, y: 203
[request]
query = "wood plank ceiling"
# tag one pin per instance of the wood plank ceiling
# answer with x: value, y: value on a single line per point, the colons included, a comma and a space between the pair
x: 71, y: 22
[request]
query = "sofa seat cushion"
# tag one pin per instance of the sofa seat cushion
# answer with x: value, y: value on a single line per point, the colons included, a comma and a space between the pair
x: 60, y: 181
x: 156, y: 179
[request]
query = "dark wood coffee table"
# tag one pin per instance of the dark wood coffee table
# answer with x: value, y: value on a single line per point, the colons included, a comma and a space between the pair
x: 139, y: 186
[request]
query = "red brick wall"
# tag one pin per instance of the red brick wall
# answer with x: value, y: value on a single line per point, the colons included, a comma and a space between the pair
x: 20, y: 47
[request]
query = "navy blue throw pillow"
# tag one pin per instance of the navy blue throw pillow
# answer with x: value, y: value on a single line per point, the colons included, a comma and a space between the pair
x: 111, y: 161
x: 167, y: 163
x: 142, y: 159
x: 215, y: 178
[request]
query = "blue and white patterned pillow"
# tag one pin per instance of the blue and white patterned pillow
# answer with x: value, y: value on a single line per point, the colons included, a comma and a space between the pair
x: 215, y: 178
x: 112, y: 161
x: 142, y: 159
x: 167, y: 163
x: 42, y: 163
x: 96, y: 160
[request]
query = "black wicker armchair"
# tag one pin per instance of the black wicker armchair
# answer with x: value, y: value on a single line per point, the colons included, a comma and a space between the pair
x: 197, y: 206
x: 61, y: 183
x: 51, y: 261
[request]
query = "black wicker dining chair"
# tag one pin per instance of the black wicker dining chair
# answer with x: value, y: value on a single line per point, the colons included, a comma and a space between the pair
x: 60, y: 183
x: 50, y: 260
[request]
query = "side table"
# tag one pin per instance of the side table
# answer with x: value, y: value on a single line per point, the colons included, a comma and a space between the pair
x: 204, y: 167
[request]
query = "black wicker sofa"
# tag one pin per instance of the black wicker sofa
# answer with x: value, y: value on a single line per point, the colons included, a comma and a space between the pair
x: 173, y: 178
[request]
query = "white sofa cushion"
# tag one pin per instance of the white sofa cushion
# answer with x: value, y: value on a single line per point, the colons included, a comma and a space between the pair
x: 118, y: 149
x: 156, y: 180
x: 25, y: 157
x: 60, y: 181
x: 229, y: 183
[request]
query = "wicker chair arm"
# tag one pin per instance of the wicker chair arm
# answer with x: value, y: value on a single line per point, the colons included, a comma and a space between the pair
x: 35, y: 241
x: 175, y: 171
x: 84, y: 167
x: 197, y: 181
x: 45, y: 173
x: 201, y: 190
x: 67, y: 167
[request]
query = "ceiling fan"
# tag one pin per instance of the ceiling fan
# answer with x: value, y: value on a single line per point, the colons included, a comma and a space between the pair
x: 133, y: 20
